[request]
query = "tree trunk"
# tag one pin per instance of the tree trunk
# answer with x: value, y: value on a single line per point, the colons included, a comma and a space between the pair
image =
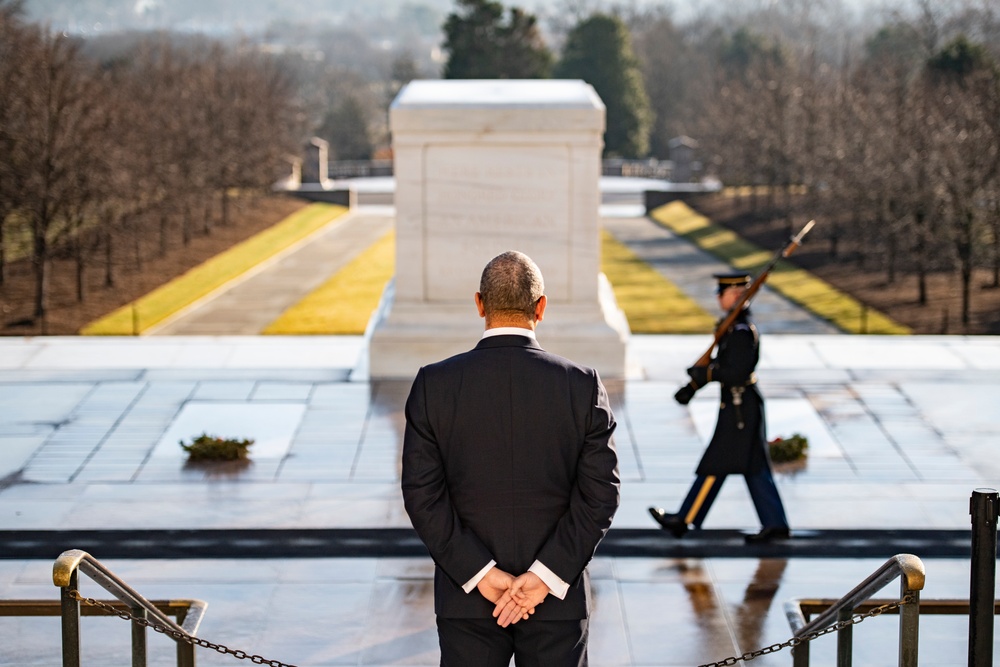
x: 920, y: 253
x: 163, y: 234
x: 3, y: 250
x: 79, y: 269
x: 136, y: 249
x: 109, y: 273
x: 225, y: 207
x: 186, y: 225
x: 966, y: 292
x: 891, y: 256
x: 964, y: 248
x: 41, y: 270
x: 994, y: 224
x: 864, y: 244
x: 207, y: 221
x: 40, y: 260
x: 789, y: 221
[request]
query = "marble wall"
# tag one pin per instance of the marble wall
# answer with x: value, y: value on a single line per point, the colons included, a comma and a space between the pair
x: 487, y: 166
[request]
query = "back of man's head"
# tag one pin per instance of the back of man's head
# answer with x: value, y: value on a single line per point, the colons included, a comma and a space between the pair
x: 511, y: 285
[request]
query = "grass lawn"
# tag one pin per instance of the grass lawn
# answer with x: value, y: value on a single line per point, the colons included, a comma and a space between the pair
x: 652, y: 304
x: 140, y: 315
x: 345, y: 302
x: 797, y: 285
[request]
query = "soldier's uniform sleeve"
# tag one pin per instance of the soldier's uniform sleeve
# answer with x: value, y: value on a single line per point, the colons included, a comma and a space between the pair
x: 738, y: 358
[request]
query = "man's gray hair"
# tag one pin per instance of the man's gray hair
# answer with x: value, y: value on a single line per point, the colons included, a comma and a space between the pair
x: 511, y: 283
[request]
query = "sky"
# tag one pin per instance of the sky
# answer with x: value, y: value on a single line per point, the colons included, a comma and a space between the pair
x: 225, y: 15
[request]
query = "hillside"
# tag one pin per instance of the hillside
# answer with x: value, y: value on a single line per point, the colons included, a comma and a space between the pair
x: 67, y: 315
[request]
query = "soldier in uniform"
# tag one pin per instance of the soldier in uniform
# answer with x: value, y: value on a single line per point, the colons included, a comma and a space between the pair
x: 739, y: 444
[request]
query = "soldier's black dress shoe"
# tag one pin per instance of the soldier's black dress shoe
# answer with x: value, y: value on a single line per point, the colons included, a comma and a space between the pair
x: 672, y: 523
x: 768, y: 535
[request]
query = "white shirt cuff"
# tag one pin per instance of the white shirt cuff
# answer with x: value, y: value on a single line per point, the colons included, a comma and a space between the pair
x: 472, y: 583
x: 557, y: 586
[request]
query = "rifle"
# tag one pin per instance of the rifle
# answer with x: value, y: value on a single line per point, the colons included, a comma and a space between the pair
x: 686, y: 393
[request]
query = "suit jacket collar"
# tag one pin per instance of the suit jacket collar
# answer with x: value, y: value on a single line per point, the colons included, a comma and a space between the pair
x: 512, y: 340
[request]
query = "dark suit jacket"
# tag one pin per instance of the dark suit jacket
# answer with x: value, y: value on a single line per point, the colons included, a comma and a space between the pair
x: 508, y: 455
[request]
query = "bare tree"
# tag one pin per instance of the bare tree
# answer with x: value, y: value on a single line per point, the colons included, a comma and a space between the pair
x: 677, y: 76
x: 964, y: 118
x: 17, y: 43
x: 250, y: 114
x: 59, y: 131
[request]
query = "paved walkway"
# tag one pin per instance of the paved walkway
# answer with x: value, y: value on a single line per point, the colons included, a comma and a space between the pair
x: 901, y: 431
x: 691, y: 269
x: 261, y: 296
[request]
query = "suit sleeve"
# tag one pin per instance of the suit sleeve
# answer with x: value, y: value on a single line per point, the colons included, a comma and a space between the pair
x: 455, y: 549
x: 594, y: 498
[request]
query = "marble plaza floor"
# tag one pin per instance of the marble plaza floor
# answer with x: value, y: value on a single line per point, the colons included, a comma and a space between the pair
x: 901, y: 429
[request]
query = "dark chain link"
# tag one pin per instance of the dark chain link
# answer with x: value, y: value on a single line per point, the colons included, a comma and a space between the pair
x: 795, y: 641
x: 258, y: 660
x: 175, y: 634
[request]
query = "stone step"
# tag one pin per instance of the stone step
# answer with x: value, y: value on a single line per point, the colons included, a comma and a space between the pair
x: 401, y: 542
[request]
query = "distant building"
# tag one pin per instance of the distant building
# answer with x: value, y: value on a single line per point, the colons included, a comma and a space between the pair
x: 315, y: 166
x: 682, y: 150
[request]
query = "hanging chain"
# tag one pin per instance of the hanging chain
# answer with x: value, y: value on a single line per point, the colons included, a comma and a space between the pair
x: 795, y: 641
x: 175, y: 634
x: 258, y: 660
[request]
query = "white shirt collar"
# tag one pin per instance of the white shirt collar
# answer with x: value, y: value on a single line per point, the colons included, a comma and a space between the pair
x: 509, y: 331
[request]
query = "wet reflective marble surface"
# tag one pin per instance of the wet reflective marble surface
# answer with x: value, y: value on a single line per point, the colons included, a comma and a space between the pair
x: 379, y: 611
x: 901, y: 431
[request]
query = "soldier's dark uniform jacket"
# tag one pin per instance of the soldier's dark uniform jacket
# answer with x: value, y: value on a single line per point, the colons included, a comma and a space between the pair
x: 739, y: 444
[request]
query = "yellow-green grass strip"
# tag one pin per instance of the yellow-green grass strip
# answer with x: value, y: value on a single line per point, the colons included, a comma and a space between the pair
x: 344, y: 303
x: 163, y: 302
x: 651, y: 303
x: 795, y: 284
x: 761, y: 190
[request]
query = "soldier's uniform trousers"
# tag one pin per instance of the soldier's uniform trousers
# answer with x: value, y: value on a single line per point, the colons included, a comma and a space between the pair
x: 762, y: 489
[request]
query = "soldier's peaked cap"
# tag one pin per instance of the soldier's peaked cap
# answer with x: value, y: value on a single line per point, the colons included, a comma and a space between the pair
x: 725, y: 280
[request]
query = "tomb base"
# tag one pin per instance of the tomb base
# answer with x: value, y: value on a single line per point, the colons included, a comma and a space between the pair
x: 403, y: 336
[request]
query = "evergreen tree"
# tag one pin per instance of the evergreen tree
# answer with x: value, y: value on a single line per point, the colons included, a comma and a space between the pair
x: 959, y: 59
x: 599, y: 51
x: 482, y: 45
x: 746, y: 55
x: 346, y: 128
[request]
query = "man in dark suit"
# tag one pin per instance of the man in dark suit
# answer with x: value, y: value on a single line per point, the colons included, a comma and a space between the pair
x: 510, y: 478
x: 739, y: 444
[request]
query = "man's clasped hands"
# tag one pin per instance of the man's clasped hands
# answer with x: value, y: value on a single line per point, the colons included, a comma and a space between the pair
x: 515, y: 597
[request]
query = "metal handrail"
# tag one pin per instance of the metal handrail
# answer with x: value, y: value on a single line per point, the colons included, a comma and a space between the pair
x: 910, y: 571
x: 65, y: 575
x: 182, y: 609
